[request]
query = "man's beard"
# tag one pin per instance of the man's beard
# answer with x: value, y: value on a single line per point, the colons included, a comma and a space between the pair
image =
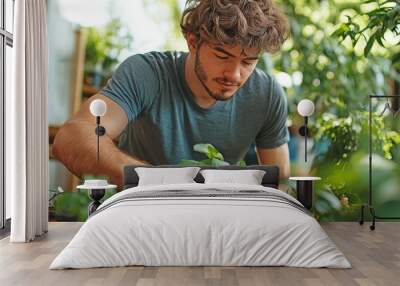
x: 201, y: 75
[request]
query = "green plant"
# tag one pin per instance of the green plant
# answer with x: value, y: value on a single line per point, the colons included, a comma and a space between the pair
x: 104, y: 46
x: 351, y: 180
x: 326, y: 203
x: 338, y: 78
x: 333, y: 74
x: 348, y: 175
x: 347, y: 135
x: 385, y: 17
x: 214, y: 157
x: 72, y: 206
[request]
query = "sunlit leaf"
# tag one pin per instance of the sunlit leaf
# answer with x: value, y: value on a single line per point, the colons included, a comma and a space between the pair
x: 369, y: 45
x: 202, y: 148
x: 214, y: 153
x: 218, y: 163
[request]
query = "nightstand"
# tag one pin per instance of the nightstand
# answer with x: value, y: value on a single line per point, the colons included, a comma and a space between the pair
x: 96, y: 190
x: 305, y: 190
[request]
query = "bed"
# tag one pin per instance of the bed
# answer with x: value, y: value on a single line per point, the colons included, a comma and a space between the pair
x: 201, y: 224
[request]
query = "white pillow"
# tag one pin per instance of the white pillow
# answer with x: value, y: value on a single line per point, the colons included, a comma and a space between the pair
x: 248, y: 177
x: 163, y: 176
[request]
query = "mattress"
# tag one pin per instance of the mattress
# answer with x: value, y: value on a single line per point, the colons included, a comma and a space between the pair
x: 201, y: 225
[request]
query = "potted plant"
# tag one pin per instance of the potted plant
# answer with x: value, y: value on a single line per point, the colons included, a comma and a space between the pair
x: 214, y: 157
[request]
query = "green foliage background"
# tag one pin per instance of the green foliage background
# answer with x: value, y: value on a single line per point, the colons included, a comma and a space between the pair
x: 339, y: 52
x: 329, y: 45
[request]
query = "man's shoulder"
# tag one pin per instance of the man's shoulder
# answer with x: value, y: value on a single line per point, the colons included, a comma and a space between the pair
x: 260, y: 80
x: 262, y: 85
x: 262, y: 91
x: 155, y: 58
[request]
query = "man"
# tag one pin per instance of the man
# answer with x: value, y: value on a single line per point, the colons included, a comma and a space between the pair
x: 161, y: 104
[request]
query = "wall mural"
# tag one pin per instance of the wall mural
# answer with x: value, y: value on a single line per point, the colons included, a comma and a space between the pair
x: 336, y: 56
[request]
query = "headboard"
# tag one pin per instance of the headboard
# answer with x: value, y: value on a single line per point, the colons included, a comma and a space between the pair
x: 270, y: 179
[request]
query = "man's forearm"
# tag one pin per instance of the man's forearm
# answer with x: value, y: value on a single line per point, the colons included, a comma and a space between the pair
x: 76, y: 147
x: 278, y: 156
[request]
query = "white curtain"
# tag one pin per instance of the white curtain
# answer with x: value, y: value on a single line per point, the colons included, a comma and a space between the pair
x: 26, y: 121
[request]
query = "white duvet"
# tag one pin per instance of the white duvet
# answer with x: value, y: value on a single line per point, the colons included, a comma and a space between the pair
x: 183, y: 231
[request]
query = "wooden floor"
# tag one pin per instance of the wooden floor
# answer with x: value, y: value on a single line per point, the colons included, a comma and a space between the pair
x: 374, y: 255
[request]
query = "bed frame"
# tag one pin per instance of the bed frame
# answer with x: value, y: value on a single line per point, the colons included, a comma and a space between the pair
x: 270, y: 179
x: 131, y: 179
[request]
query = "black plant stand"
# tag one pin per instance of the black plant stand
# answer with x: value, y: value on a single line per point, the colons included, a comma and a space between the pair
x: 370, y: 205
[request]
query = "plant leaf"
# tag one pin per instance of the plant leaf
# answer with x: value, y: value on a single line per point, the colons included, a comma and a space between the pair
x: 190, y: 163
x: 206, y: 162
x: 202, y: 148
x: 369, y: 45
x: 214, y: 153
x: 340, y: 32
x: 331, y: 199
x: 218, y: 163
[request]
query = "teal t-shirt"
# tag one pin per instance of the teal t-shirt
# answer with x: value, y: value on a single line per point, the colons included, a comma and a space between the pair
x: 165, y: 121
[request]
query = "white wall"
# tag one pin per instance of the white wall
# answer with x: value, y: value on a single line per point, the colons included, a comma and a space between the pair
x: 61, y: 51
x: 61, y: 44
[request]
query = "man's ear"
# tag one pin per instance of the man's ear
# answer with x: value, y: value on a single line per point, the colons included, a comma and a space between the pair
x: 191, y: 40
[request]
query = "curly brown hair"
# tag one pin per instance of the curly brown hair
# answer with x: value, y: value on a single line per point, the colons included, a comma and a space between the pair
x: 248, y: 23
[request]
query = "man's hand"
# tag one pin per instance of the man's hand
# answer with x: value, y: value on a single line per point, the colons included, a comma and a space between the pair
x: 278, y: 156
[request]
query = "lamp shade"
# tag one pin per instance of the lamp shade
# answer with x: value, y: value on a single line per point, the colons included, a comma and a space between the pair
x: 305, y: 107
x: 98, y: 107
